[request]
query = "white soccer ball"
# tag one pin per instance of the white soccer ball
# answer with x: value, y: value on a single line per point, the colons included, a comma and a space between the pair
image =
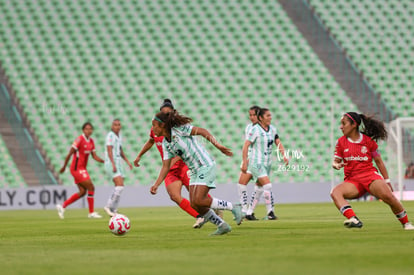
x: 119, y: 225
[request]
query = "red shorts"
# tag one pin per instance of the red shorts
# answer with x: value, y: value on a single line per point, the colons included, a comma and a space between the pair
x: 363, y: 180
x: 80, y: 175
x: 176, y: 174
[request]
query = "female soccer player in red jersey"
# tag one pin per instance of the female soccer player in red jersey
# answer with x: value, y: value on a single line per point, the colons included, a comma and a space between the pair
x: 355, y: 151
x: 81, y: 148
x: 177, y: 176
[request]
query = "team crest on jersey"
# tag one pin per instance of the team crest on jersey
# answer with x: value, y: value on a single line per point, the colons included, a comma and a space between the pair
x: 364, y: 150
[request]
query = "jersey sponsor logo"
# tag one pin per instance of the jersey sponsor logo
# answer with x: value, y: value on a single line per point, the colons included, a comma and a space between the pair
x: 357, y: 158
x: 158, y: 143
x: 364, y: 150
x: 86, y: 152
x: 269, y: 143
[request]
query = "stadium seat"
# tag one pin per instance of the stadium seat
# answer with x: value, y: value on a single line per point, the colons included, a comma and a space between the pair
x: 10, y: 176
x: 371, y: 24
x: 104, y: 59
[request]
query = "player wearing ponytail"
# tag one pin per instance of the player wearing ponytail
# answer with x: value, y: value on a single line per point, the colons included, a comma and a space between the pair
x: 354, y: 152
x: 177, y: 176
x: 179, y: 141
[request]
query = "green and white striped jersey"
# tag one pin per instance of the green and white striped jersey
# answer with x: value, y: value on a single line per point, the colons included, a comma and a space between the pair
x: 246, y: 132
x: 116, y: 142
x: 261, y: 144
x: 186, y: 146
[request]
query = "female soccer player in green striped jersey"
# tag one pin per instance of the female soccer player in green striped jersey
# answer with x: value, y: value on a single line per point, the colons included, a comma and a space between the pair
x: 179, y: 141
x: 260, y: 139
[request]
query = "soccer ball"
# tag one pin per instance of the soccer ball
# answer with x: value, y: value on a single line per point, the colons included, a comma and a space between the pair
x: 119, y: 225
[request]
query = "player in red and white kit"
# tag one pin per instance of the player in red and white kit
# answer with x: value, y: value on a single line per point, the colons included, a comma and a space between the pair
x: 354, y: 152
x: 81, y: 148
x: 177, y: 176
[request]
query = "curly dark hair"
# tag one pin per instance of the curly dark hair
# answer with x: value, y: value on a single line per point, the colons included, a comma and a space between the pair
x: 372, y: 127
x: 173, y: 119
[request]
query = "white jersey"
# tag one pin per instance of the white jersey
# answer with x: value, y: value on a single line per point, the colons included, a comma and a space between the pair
x: 246, y: 132
x: 261, y: 144
x: 186, y: 146
x: 116, y: 142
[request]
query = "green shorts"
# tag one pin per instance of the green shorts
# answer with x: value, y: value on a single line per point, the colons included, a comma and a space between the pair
x: 205, y: 175
x: 259, y: 170
x: 119, y: 169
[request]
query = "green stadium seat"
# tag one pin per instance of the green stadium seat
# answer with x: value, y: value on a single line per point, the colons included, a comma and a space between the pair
x: 214, y: 66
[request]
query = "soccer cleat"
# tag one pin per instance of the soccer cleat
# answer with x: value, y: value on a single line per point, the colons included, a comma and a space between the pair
x: 200, y: 221
x: 237, y: 213
x: 109, y: 211
x: 353, y: 222
x: 94, y: 215
x: 60, y: 210
x: 251, y: 217
x: 271, y: 216
x: 222, y: 229
x: 408, y: 226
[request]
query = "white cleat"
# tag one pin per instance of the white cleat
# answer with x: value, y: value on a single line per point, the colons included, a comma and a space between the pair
x: 353, y: 222
x: 199, y: 223
x: 94, y: 215
x: 61, y: 211
x: 109, y: 211
x: 408, y: 226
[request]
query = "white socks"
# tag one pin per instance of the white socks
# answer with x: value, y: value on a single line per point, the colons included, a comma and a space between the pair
x: 113, y: 200
x: 268, y: 196
x: 243, y: 197
x: 258, y: 191
x: 221, y: 204
x: 213, y: 218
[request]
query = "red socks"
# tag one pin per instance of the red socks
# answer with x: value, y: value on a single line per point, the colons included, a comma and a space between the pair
x: 185, y: 205
x: 402, y: 217
x: 347, y: 211
x: 90, y: 200
x: 71, y: 200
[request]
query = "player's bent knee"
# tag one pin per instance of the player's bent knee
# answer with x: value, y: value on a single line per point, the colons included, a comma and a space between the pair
x: 175, y: 198
x: 389, y: 199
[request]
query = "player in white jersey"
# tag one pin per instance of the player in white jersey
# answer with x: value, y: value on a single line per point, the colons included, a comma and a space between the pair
x: 246, y: 177
x: 179, y: 141
x: 260, y: 139
x: 113, y: 165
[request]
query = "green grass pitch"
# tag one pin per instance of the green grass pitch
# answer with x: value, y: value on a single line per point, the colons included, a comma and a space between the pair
x: 307, y: 239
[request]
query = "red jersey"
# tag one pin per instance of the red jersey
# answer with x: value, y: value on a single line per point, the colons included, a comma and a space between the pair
x: 83, y: 147
x: 357, y: 155
x: 158, y: 142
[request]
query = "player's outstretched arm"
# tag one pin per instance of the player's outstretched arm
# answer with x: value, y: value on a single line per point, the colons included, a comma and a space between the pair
x: 383, y: 170
x: 245, y: 151
x: 197, y: 131
x: 163, y: 173
x: 96, y: 157
x: 281, y: 150
x: 145, y: 148
x: 71, y: 151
